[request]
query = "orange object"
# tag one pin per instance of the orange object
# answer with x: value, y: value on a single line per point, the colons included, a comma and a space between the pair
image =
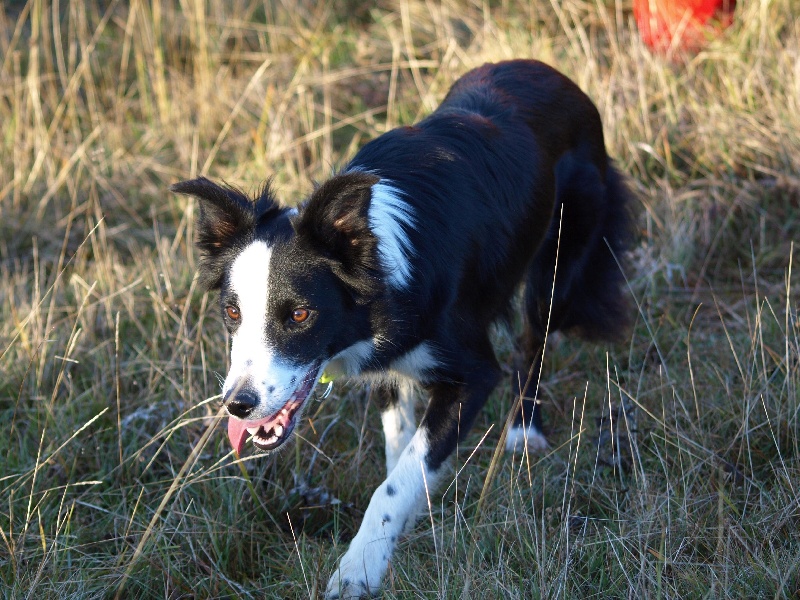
x: 681, y: 24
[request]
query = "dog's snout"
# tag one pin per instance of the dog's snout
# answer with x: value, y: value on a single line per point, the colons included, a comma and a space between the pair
x: 241, y: 403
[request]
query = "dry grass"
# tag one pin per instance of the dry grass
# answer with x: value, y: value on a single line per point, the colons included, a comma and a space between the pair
x: 675, y: 470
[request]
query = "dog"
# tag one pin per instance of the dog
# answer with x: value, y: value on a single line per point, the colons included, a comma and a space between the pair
x: 395, y: 269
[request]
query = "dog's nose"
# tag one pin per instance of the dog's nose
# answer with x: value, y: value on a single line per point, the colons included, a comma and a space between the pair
x: 242, y: 403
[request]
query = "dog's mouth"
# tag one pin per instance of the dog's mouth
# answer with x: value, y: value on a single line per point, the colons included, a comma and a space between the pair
x: 271, y: 432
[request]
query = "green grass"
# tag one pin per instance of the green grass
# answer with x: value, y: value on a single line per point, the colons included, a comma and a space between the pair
x: 675, y: 469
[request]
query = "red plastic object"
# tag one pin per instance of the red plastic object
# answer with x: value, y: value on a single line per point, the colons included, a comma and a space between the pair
x: 681, y: 24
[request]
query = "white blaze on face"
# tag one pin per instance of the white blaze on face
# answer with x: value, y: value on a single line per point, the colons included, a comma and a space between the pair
x: 254, y: 363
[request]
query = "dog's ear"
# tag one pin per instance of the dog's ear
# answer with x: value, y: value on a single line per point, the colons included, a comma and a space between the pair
x: 335, y: 221
x: 227, y: 220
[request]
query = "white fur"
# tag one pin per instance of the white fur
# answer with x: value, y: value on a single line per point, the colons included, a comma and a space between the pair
x: 416, y: 363
x: 399, y: 424
x: 388, y: 515
x: 518, y: 437
x: 253, y: 362
x: 350, y: 361
x: 389, y: 218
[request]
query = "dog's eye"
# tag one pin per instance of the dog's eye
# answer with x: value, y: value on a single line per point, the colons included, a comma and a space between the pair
x: 233, y: 313
x: 300, y: 314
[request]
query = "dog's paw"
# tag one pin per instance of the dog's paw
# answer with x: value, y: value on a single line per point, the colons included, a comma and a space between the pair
x: 344, y: 587
x: 359, y: 575
x: 517, y: 438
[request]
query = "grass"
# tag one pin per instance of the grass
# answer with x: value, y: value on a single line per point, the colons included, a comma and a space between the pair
x: 675, y: 469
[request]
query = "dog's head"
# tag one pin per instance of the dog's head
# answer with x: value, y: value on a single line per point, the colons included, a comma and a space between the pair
x: 297, y: 291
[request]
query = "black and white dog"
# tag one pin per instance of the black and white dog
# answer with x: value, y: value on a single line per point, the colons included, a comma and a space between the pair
x: 396, y: 268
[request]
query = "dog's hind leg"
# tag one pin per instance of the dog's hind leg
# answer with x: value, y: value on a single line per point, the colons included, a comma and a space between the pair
x: 405, y: 493
x: 526, y: 429
x: 574, y: 283
x: 397, y: 403
x: 550, y: 283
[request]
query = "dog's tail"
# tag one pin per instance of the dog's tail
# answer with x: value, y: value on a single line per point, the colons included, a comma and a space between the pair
x: 593, y: 214
x: 601, y: 307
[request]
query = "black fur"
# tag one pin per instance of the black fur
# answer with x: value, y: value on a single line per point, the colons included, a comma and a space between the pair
x: 509, y: 171
x: 514, y: 155
x: 226, y: 224
x: 334, y: 224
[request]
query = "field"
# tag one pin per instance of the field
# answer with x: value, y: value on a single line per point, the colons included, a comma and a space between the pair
x: 675, y: 462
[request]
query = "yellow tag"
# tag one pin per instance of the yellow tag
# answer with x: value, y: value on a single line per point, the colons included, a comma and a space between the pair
x: 325, y: 378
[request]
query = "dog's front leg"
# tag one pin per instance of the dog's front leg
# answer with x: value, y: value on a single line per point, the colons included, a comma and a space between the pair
x: 397, y: 416
x: 393, y: 508
x: 402, y: 497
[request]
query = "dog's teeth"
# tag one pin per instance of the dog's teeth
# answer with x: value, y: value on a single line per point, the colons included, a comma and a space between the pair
x: 278, y: 431
x: 252, y: 430
x: 261, y: 440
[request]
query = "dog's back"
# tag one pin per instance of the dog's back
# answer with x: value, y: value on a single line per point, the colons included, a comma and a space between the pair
x: 487, y: 175
x: 553, y: 107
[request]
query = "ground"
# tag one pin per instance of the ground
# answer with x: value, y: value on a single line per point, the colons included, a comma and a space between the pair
x: 673, y: 469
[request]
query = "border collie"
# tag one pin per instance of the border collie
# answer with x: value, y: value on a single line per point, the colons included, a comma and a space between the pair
x: 396, y: 268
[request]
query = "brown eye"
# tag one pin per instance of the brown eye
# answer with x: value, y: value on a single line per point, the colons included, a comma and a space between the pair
x: 300, y: 314
x: 233, y: 313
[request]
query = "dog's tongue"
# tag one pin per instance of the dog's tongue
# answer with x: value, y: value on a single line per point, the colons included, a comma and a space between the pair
x: 237, y: 431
